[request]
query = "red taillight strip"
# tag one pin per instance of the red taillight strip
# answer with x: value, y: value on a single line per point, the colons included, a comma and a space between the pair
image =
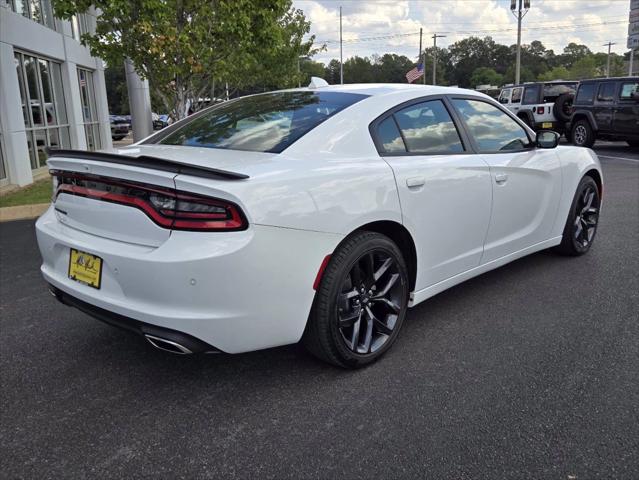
x: 166, y: 218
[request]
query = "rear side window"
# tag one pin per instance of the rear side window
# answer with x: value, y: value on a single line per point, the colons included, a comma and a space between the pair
x: 627, y: 89
x: 492, y: 130
x: 606, y: 92
x: 586, y: 93
x: 389, y: 136
x: 428, y: 128
x: 268, y: 122
x: 531, y: 95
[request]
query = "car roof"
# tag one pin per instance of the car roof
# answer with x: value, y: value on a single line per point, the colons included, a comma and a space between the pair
x: 378, y: 89
x: 610, y: 79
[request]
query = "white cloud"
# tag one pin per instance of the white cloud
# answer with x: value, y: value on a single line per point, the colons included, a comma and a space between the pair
x: 554, y: 22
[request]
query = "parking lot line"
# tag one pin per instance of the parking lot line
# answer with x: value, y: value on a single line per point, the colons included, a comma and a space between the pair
x: 633, y: 160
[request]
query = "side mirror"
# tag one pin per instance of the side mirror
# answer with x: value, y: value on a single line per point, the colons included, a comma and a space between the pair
x: 547, y: 139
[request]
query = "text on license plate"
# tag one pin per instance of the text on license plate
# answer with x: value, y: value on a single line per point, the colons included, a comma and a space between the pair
x: 85, y: 268
x: 546, y: 125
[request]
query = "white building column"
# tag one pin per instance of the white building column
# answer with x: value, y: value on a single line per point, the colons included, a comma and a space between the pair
x: 73, y: 103
x: 14, y: 134
x: 139, y: 103
x: 102, y: 105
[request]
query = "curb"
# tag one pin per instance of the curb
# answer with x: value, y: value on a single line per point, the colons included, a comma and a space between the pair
x: 22, y: 212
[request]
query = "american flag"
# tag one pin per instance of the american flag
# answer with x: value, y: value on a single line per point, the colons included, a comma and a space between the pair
x: 415, y: 73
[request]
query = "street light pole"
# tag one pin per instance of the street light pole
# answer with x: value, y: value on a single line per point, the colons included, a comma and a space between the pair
x: 609, y: 44
x: 435, y: 37
x: 520, y: 13
x: 341, y: 62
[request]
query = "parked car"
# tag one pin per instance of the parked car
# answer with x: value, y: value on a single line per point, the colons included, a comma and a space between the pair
x: 606, y: 108
x: 120, y: 126
x: 320, y: 214
x: 160, y: 121
x: 541, y: 105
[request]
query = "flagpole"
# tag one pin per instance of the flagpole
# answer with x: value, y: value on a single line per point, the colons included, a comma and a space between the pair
x: 419, y: 55
x: 341, y: 62
x: 423, y: 55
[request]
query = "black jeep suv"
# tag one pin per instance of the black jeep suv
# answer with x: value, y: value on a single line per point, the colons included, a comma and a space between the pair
x: 606, y: 108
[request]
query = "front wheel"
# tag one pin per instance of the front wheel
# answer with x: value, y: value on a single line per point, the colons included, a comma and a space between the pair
x: 582, y: 134
x: 583, y: 218
x: 360, y: 303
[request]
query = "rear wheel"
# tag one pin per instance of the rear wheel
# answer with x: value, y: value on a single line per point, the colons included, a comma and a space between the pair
x: 582, y: 134
x: 361, y: 302
x: 583, y: 218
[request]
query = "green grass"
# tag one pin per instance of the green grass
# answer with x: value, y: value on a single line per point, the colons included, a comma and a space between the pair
x: 39, y: 192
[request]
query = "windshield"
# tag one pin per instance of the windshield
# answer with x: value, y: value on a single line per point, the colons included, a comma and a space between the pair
x: 268, y: 122
x: 553, y: 90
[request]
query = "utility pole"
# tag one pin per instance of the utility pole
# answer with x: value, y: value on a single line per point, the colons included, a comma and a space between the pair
x: 609, y: 44
x: 632, y: 57
x: 435, y: 37
x: 420, y: 55
x: 520, y: 13
x: 341, y: 63
x: 299, y: 80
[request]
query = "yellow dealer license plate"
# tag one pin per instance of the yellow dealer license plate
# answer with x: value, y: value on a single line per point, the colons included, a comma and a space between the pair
x: 546, y: 125
x: 85, y: 268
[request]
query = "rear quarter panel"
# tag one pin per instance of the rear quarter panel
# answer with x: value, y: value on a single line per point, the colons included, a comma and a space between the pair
x: 575, y: 163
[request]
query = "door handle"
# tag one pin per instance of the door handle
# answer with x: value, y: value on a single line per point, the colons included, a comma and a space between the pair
x: 414, y: 182
x: 501, y: 178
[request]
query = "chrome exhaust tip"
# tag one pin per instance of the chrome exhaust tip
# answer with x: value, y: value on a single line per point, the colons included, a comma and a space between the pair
x: 167, y: 345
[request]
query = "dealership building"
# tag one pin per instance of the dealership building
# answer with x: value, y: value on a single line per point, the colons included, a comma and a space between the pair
x: 52, y: 91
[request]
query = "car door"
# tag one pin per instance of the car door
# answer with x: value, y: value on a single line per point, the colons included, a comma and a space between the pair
x: 626, y: 116
x: 444, y: 188
x: 515, y: 99
x: 526, y: 181
x: 603, y: 108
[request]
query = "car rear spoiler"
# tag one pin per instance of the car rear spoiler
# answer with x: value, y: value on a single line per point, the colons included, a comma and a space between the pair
x: 149, y: 162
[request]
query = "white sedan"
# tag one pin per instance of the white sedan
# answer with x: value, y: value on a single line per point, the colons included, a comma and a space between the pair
x: 318, y: 214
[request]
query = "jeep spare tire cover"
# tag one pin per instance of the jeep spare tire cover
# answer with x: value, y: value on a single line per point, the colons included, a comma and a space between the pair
x: 563, y: 106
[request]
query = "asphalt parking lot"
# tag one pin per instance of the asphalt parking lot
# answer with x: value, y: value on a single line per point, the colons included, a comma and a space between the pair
x: 529, y: 371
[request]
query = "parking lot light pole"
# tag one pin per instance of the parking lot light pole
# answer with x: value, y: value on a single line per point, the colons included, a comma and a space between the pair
x: 520, y: 13
x: 435, y: 37
x: 341, y: 61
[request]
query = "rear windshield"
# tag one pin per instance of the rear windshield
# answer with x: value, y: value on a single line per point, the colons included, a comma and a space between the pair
x: 553, y: 90
x: 267, y: 122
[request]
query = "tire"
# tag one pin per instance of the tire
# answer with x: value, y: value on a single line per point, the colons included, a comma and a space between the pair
x: 524, y: 118
x: 562, y: 107
x: 581, y: 134
x: 583, y: 218
x: 117, y: 138
x: 350, y: 327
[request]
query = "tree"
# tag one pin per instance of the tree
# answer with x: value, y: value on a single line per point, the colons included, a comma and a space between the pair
x: 585, y: 67
x: 557, y: 73
x: 573, y: 53
x: 485, y: 76
x: 185, y: 47
x: 331, y: 72
x: 358, y: 70
x: 117, y: 93
x: 392, y: 68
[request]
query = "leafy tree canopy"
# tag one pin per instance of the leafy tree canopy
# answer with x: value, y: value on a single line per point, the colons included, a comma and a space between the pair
x: 185, y: 47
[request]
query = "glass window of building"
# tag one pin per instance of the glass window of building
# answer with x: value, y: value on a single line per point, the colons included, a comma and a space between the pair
x: 79, y: 25
x: 37, y: 10
x: 89, y: 110
x: 43, y: 109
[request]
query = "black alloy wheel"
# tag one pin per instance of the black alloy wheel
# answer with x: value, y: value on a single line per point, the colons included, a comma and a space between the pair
x: 581, y: 226
x: 361, y: 302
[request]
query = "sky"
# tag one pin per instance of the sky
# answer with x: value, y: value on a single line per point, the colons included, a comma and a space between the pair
x: 392, y: 26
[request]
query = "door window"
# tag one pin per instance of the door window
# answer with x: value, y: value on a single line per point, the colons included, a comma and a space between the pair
x: 428, y: 128
x: 606, y: 92
x: 504, y: 97
x: 492, y: 129
x: 516, y: 95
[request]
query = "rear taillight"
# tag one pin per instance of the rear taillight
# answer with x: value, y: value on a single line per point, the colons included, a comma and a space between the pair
x: 167, y: 207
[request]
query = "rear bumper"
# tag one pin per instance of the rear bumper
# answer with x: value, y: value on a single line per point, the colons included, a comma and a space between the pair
x: 236, y: 291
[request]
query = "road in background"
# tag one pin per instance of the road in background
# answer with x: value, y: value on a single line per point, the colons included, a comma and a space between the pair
x: 529, y: 371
